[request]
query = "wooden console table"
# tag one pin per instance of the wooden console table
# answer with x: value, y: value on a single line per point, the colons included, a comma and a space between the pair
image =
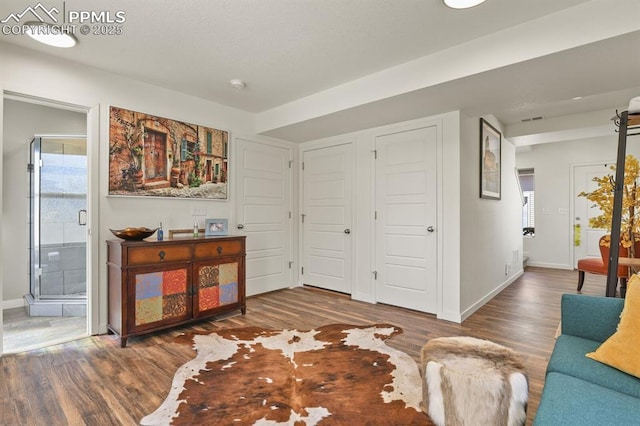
x: 160, y: 284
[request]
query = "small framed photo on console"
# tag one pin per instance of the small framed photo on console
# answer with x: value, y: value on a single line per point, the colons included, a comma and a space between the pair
x: 216, y: 227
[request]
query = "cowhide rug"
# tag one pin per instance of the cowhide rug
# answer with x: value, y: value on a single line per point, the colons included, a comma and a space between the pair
x: 334, y: 375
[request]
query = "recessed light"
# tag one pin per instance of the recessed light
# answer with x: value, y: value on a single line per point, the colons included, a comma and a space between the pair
x: 52, y: 35
x: 236, y: 83
x: 462, y: 4
x: 577, y: 98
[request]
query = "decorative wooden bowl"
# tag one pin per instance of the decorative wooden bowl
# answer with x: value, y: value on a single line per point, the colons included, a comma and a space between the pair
x: 134, y: 234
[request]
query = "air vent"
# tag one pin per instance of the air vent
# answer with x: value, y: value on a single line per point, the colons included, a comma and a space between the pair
x: 532, y: 119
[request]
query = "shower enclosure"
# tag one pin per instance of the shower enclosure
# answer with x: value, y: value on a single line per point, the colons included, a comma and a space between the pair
x: 57, y: 226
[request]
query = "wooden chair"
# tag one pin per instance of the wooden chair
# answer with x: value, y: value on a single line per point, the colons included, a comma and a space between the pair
x: 600, y: 266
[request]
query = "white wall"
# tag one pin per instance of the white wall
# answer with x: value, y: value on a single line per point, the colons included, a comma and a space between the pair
x: 552, y: 245
x: 491, y: 230
x: 42, y: 76
x: 450, y: 213
x: 21, y: 122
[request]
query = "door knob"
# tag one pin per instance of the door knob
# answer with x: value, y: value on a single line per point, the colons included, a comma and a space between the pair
x: 347, y: 231
x: 430, y: 228
x: 240, y: 226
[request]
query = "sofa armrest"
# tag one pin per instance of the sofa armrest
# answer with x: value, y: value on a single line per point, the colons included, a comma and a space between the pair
x: 590, y: 317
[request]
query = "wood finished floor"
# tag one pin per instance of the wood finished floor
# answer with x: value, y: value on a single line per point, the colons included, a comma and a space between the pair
x: 95, y: 382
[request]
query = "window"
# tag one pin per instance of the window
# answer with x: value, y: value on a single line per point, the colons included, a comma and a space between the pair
x: 209, y: 142
x: 527, y: 183
x: 183, y: 150
x: 188, y: 150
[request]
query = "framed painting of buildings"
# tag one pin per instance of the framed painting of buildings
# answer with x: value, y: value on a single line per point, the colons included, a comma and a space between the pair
x: 490, y: 161
x: 160, y: 157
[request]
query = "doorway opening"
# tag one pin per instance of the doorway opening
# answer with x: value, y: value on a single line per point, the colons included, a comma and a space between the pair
x: 45, y: 233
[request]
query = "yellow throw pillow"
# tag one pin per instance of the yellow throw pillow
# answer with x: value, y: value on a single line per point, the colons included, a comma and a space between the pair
x: 622, y: 348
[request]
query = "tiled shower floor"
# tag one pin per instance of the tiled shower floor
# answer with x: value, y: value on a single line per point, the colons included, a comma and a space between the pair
x: 22, y: 332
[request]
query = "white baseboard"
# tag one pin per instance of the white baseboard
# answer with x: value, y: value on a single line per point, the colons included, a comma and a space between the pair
x: 550, y: 265
x: 467, y: 313
x: 13, y: 303
x: 368, y: 298
x: 450, y: 316
x: 102, y: 329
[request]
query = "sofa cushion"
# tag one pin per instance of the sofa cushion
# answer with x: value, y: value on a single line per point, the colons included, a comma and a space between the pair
x: 569, y: 401
x: 590, y: 317
x: 568, y: 357
x: 621, y: 350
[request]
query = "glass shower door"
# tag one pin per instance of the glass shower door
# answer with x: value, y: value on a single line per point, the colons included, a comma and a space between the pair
x: 58, y: 173
x: 35, y: 271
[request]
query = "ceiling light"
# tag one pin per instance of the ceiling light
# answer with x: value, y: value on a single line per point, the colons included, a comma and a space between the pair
x: 236, y: 83
x: 536, y: 118
x: 52, y: 35
x: 462, y: 4
x: 577, y: 98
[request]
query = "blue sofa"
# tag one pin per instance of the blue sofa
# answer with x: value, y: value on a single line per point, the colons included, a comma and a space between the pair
x: 577, y: 389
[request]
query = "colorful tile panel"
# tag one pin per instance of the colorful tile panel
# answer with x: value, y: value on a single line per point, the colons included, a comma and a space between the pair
x: 174, y: 281
x: 228, y: 273
x: 208, y: 276
x: 148, y: 285
x: 228, y: 293
x: 209, y: 298
x: 160, y: 295
x: 148, y: 310
x: 174, y: 305
x: 218, y: 285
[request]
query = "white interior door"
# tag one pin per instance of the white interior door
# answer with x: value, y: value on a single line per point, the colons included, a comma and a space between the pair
x: 585, y: 210
x: 406, y: 241
x: 263, y: 206
x: 326, y: 227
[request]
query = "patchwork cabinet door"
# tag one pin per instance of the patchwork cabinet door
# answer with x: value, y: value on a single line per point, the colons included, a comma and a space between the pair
x: 217, y: 285
x: 159, y: 297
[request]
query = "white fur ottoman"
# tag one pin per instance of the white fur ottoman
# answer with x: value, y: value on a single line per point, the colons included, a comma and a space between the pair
x: 469, y: 381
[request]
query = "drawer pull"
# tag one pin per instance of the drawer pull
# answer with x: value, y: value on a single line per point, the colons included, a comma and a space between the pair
x: 161, y: 254
x: 219, y: 250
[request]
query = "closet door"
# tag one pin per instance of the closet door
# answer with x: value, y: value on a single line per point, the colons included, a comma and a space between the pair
x: 406, y: 242
x: 326, y: 228
x: 263, y: 214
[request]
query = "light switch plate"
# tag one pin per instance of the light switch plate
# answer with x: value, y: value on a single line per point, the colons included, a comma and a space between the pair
x: 198, y: 211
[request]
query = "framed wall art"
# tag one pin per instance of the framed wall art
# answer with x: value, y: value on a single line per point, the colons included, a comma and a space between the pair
x: 216, y: 227
x: 160, y: 157
x: 490, y: 161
